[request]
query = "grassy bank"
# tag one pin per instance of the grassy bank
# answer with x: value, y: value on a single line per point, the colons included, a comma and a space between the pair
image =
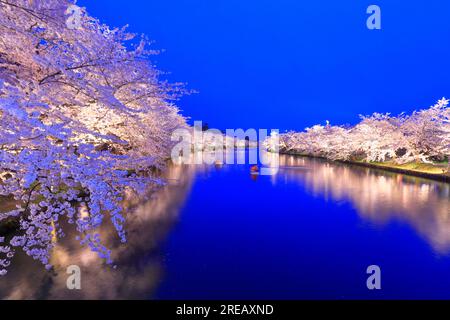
x: 416, y: 167
x: 422, y: 170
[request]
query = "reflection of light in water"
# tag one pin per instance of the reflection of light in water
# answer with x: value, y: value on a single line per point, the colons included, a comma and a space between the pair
x: 380, y: 196
x: 139, y: 268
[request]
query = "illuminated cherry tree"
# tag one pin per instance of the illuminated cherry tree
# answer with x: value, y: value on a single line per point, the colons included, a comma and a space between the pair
x: 85, y: 119
x: 423, y: 136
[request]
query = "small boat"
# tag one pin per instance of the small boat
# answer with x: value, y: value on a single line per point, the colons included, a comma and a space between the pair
x: 254, y: 169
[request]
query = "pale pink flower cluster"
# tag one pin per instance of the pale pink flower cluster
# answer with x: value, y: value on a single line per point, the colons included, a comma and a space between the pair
x: 423, y: 136
x: 84, y: 119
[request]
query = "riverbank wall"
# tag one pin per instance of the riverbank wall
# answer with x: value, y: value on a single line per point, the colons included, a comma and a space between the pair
x: 425, y: 175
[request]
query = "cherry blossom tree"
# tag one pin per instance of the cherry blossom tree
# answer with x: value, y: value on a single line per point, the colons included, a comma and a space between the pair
x: 427, y: 133
x: 85, y: 120
x: 423, y: 136
x: 377, y: 138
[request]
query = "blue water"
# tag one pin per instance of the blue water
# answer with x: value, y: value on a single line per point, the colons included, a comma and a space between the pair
x: 287, y: 237
x: 309, y: 232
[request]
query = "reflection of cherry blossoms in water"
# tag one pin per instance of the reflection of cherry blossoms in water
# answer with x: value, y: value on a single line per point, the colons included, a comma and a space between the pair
x: 379, y: 196
x: 139, y: 268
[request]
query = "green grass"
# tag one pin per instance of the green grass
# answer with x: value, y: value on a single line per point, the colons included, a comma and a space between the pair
x: 440, y: 168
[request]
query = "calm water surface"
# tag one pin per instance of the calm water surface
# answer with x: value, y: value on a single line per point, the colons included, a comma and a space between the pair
x: 307, y: 233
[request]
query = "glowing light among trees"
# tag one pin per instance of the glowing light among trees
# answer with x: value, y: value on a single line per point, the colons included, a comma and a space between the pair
x: 84, y: 120
x: 423, y: 136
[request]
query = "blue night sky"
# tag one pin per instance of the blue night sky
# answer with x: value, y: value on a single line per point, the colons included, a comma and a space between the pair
x: 288, y: 64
